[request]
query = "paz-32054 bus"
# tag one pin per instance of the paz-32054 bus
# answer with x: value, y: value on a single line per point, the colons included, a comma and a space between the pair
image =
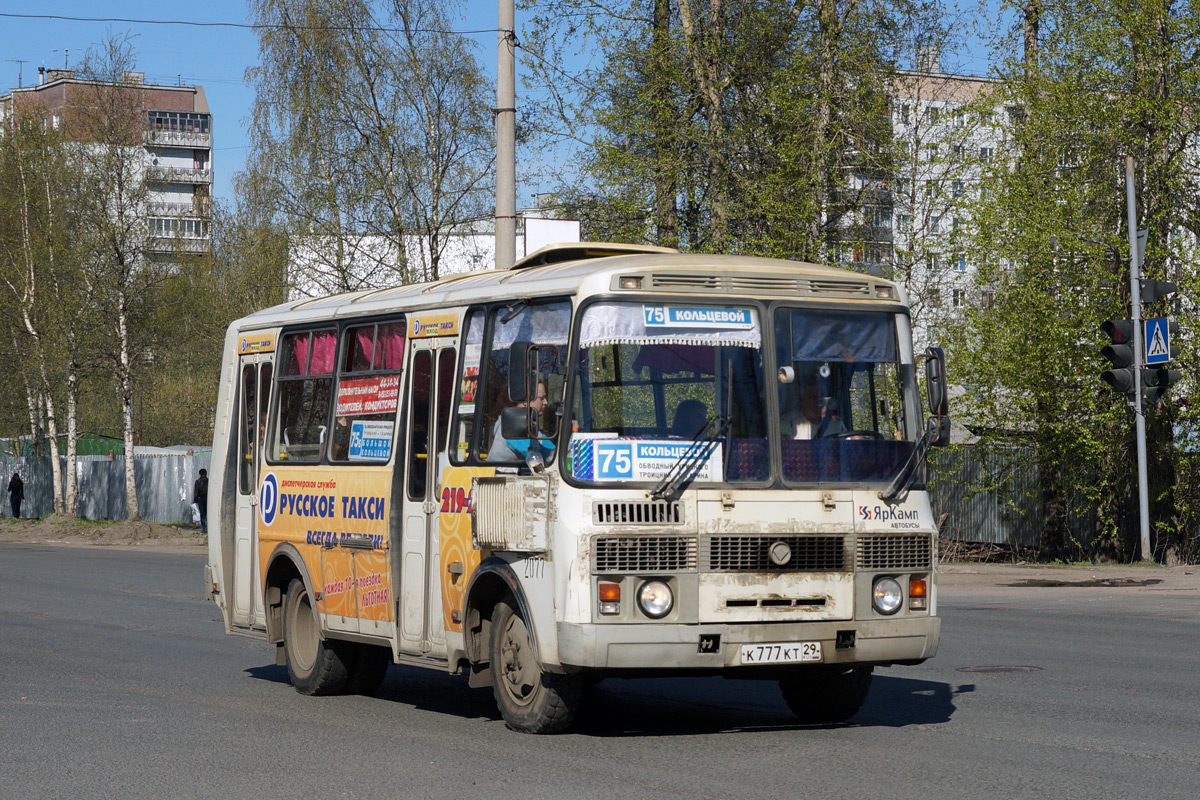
x: 609, y: 461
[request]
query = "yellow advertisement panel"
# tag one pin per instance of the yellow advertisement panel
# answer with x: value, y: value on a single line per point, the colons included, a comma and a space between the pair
x: 458, y: 555
x: 257, y: 342
x: 423, y: 326
x: 337, y: 517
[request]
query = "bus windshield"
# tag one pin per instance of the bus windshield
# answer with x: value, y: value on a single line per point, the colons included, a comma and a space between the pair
x: 841, y: 396
x: 651, y: 378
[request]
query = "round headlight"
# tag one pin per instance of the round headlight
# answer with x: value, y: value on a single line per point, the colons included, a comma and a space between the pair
x: 655, y: 599
x: 887, y: 596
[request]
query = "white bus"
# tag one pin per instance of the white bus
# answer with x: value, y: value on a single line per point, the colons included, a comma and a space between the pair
x: 610, y: 461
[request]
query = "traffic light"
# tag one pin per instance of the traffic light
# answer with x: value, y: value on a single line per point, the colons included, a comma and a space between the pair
x: 1153, y: 291
x: 1119, y: 354
x: 1155, y: 381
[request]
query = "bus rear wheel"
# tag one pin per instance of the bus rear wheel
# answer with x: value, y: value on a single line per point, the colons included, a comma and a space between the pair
x: 826, y: 694
x: 529, y: 699
x: 315, y: 665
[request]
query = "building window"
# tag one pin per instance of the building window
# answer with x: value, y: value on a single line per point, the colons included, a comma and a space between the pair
x: 960, y: 118
x: 904, y: 112
x: 903, y: 223
x: 986, y: 153
x: 962, y: 264
x: 931, y: 151
x: 956, y: 188
x: 931, y: 115
x: 958, y: 298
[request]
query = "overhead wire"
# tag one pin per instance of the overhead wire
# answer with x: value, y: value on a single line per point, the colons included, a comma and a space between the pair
x: 243, y: 25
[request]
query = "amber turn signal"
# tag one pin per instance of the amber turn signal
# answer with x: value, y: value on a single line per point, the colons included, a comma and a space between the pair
x: 918, y: 594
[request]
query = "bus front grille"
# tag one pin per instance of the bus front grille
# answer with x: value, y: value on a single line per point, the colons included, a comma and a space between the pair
x: 894, y: 551
x: 641, y: 554
x: 753, y: 554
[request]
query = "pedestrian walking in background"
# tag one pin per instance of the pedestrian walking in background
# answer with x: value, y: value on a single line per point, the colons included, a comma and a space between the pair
x: 16, y: 493
x: 200, y: 498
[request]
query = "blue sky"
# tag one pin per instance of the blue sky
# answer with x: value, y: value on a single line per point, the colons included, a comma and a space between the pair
x: 213, y: 57
x: 217, y: 57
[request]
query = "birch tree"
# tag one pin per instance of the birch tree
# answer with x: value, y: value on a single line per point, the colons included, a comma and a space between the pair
x: 119, y: 276
x: 374, y: 121
x: 36, y: 241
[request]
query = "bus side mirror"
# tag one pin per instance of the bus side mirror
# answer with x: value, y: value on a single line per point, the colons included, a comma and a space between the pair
x: 938, y: 390
x: 522, y: 379
x: 519, y: 422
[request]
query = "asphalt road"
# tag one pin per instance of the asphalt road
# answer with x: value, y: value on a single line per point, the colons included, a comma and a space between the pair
x: 118, y: 682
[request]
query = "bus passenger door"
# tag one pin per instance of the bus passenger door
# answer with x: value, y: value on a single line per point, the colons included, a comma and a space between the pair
x: 255, y: 390
x: 430, y: 394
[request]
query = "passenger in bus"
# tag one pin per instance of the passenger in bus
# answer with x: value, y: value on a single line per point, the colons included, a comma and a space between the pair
x: 340, y: 440
x: 511, y: 449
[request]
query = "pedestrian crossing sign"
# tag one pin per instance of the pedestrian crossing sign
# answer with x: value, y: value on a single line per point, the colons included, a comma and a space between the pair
x: 1158, y: 341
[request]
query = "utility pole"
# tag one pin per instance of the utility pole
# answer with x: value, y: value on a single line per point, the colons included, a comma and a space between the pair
x: 1135, y: 290
x: 506, y: 140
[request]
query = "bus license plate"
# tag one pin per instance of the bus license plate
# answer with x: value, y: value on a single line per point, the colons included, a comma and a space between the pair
x: 781, y: 653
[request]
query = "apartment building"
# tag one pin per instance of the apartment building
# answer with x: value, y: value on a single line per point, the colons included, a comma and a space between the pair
x: 170, y: 125
x: 913, y: 220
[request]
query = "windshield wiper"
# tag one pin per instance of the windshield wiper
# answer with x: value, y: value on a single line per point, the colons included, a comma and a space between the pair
x: 908, y: 472
x: 685, y: 469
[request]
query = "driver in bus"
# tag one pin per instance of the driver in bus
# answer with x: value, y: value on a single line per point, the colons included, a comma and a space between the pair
x: 812, y: 417
x: 509, y: 449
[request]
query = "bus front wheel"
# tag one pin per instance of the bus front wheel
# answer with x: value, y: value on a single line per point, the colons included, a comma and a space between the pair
x: 315, y: 665
x: 820, y: 695
x: 530, y: 700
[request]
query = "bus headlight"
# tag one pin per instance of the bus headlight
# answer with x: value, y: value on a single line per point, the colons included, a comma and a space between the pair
x: 887, y: 596
x: 655, y: 599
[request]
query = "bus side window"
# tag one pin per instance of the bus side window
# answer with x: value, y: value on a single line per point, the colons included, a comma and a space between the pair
x: 368, y: 393
x: 468, y: 388
x: 418, y: 416
x: 247, y: 446
x: 303, y: 399
x: 545, y: 325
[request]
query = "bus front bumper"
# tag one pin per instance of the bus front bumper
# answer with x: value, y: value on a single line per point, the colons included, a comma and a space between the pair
x: 718, y: 647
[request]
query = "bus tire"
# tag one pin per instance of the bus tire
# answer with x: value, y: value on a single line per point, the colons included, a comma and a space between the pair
x: 529, y: 699
x: 370, y: 667
x: 826, y: 694
x: 315, y: 666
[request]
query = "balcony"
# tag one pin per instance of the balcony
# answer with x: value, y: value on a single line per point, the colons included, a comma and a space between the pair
x: 178, y: 175
x: 178, y: 244
x: 179, y: 139
x: 198, y: 208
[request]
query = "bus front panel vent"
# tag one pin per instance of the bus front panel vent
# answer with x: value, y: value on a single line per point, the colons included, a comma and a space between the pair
x: 635, y: 512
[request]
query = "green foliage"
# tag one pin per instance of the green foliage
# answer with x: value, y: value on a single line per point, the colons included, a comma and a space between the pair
x: 1049, y: 238
x: 734, y: 127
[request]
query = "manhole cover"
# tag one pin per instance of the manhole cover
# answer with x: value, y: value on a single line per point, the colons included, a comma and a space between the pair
x: 1094, y: 583
x: 1003, y: 668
